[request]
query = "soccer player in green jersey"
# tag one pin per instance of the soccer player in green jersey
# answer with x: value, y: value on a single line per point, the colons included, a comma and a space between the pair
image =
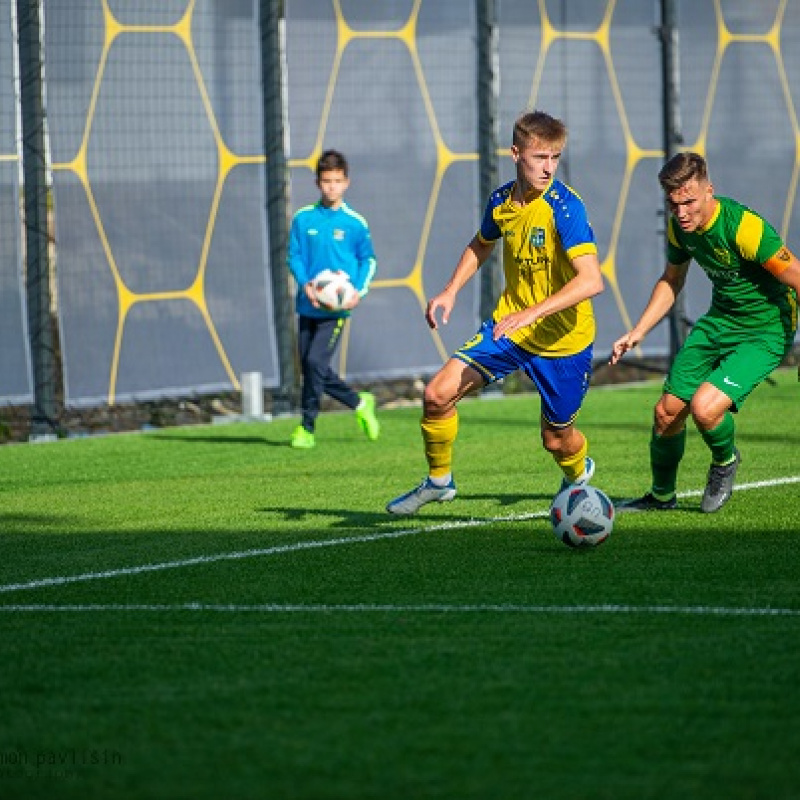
x: 733, y: 347
x: 543, y: 323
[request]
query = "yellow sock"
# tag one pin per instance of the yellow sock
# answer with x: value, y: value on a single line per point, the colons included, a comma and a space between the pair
x: 573, y: 466
x: 439, y: 435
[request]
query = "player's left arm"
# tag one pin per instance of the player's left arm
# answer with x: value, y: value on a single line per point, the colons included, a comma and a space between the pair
x: 366, y: 264
x: 366, y: 261
x: 757, y: 240
x: 785, y: 266
x: 588, y: 282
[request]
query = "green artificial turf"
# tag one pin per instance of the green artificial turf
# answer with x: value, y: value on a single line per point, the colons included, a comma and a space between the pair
x: 205, y: 613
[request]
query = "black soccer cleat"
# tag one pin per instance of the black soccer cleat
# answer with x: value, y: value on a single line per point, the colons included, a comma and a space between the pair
x: 648, y: 503
x: 719, y: 487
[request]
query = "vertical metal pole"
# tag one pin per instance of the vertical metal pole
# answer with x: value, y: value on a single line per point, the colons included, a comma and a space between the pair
x: 37, y: 262
x: 673, y: 140
x: 488, y: 138
x: 273, y: 79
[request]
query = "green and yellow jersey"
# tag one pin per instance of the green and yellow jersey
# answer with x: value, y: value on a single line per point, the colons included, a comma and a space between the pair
x: 732, y: 250
x: 539, y: 241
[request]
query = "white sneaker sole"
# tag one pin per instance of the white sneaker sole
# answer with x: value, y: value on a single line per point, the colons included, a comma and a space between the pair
x: 416, y: 503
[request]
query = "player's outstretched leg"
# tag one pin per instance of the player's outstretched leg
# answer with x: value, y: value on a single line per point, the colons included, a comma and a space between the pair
x: 719, y: 486
x: 426, y: 492
x: 666, y: 453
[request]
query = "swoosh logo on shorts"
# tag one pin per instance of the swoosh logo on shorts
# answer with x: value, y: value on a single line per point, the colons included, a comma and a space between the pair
x: 730, y: 382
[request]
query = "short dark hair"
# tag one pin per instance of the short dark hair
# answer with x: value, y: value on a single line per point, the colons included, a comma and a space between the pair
x: 331, y: 160
x: 682, y: 168
x: 539, y: 125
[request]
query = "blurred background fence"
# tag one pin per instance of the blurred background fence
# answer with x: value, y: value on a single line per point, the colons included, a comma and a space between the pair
x: 162, y: 145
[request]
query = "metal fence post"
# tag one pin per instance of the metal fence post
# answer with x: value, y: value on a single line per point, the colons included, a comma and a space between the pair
x: 488, y: 137
x: 273, y: 71
x: 673, y: 139
x: 37, y: 261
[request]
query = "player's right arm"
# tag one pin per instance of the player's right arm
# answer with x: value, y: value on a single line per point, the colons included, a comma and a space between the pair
x: 661, y: 301
x: 475, y: 253
x: 299, y: 259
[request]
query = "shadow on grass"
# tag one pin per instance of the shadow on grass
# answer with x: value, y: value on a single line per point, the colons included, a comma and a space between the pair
x: 207, y: 439
x: 342, y: 519
x: 508, y: 499
x: 263, y: 441
x: 641, y: 428
x: 33, y: 523
x: 454, y: 512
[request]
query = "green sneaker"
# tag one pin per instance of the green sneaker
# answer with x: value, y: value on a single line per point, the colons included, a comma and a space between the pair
x: 365, y: 414
x: 302, y: 439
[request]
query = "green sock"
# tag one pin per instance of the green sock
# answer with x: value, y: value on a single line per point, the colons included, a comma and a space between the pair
x: 666, y: 453
x: 720, y: 440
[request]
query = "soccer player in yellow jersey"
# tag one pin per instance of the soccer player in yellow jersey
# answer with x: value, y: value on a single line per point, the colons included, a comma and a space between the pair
x: 733, y: 347
x: 543, y: 322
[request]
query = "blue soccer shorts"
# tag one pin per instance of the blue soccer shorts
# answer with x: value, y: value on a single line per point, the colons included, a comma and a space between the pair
x: 562, y: 381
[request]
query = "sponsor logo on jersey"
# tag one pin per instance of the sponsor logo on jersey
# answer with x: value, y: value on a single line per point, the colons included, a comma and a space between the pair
x: 723, y: 275
x: 527, y: 266
x: 537, y: 237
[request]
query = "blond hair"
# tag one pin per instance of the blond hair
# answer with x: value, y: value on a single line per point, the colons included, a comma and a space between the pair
x: 539, y: 126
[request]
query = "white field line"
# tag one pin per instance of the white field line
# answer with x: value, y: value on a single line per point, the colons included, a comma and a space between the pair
x: 61, y: 580
x: 392, y: 608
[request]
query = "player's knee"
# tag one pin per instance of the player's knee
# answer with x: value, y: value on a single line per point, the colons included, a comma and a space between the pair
x: 705, y: 418
x: 663, y: 418
x: 437, y: 399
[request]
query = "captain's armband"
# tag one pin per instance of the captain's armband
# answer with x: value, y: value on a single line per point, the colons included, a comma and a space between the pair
x: 780, y: 262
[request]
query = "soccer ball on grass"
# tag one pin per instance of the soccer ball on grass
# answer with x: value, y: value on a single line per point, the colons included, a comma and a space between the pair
x: 333, y: 290
x: 582, y: 516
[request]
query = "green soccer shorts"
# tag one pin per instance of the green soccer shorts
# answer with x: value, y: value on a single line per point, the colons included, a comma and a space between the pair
x: 735, y: 361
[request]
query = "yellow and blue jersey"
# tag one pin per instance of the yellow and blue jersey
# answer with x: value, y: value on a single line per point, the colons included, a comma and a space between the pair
x: 539, y: 241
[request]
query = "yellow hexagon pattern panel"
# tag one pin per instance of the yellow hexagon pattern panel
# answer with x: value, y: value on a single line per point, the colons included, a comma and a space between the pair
x: 394, y: 87
x: 158, y: 163
x: 161, y: 248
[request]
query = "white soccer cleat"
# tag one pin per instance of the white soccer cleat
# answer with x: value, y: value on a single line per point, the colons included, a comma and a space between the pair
x: 426, y: 492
